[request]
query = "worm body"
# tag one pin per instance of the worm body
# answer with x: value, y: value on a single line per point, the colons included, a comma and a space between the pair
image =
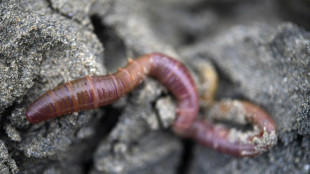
x: 232, y: 141
x: 95, y: 91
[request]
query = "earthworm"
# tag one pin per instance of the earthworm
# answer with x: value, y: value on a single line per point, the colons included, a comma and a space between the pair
x: 230, y: 140
x: 95, y: 91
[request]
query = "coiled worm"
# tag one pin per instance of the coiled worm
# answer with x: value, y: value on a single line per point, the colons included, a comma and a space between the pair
x: 95, y: 91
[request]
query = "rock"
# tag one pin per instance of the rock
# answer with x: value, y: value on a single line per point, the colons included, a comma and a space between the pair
x: 12, y: 133
x: 166, y: 111
x: 133, y: 27
x: 141, y: 156
x: 130, y: 146
x: 7, y: 164
x: 39, y: 50
x: 42, y: 47
x: 75, y: 10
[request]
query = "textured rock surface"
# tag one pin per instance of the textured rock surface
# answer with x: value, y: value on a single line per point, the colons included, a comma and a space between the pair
x: 40, y: 49
x: 141, y: 156
x: 7, y: 165
x: 258, y: 58
x: 130, y: 148
x: 135, y: 29
x: 76, y: 10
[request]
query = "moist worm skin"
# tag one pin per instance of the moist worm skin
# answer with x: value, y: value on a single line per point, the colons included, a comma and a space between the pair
x: 238, y: 144
x: 94, y: 91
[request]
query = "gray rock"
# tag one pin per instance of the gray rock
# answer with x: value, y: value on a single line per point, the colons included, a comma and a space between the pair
x: 48, y: 48
x: 141, y: 156
x: 166, y: 110
x: 130, y: 146
x: 77, y: 10
x: 133, y: 27
x: 39, y: 50
x: 4, y: 169
x: 7, y: 164
x: 12, y: 133
x: 51, y: 49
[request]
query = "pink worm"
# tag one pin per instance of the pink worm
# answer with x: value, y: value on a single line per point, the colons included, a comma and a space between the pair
x: 94, y: 91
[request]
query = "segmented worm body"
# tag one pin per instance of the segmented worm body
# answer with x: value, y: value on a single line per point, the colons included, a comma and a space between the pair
x: 95, y: 91
x: 230, y: 140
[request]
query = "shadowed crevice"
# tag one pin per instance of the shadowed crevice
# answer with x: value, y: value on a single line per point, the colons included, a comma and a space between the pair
x: 50, y: 5
x: 186, y: 157
x: 114, y: 47
x: 102, y: 129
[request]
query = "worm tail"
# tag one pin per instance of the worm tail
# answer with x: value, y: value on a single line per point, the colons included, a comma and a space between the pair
x: 67, y: 98
x: 232, y: 141
x: 88, y: 92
